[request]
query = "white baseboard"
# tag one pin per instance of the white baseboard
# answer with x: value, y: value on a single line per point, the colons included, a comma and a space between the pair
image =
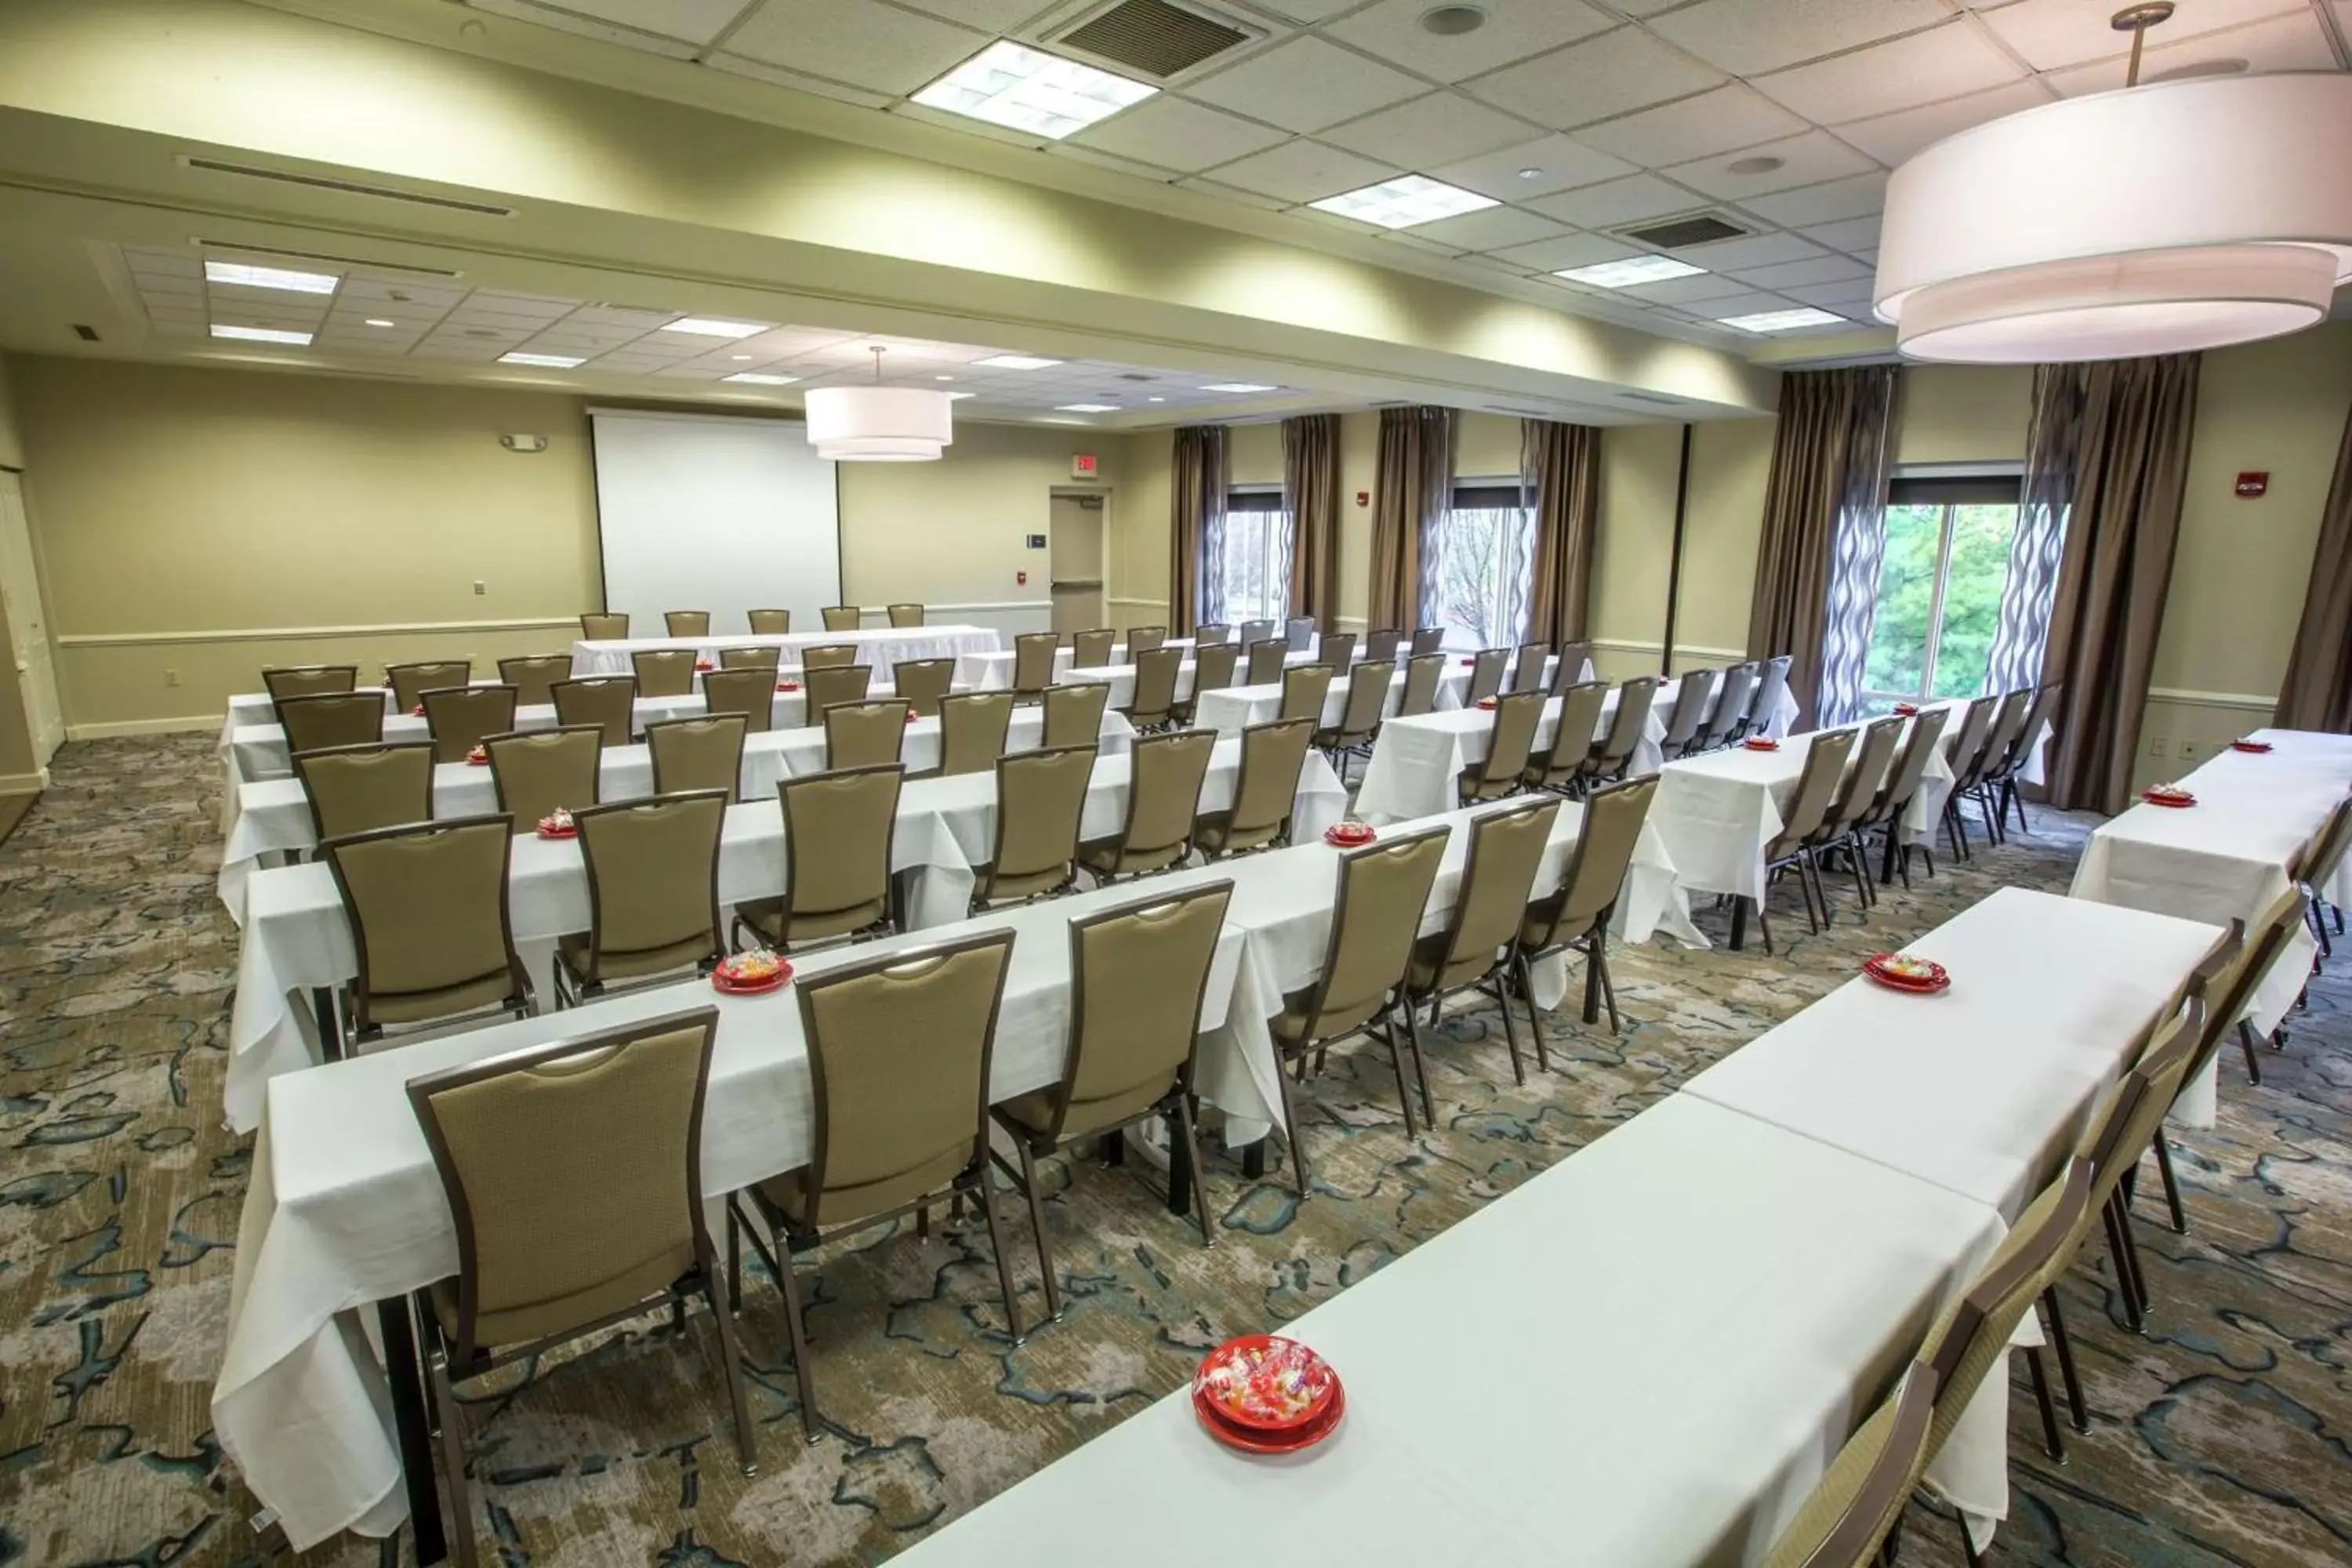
x: 109, y: 731
x: 2236, y: 700
x: 24, y: 784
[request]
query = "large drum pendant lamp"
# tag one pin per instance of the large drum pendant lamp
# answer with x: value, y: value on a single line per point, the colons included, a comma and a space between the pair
x: 879, y: 424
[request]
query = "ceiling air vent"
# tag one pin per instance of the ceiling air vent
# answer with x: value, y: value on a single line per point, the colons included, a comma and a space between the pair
x: 1152, y: 38
x: 350, y: 187
x: 85, y: 332
x: 1661, y: 401
x: 1691, y: 228
x: 372, y: 263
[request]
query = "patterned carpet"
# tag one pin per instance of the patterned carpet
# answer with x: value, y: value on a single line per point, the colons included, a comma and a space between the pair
x: 2220, y: 1438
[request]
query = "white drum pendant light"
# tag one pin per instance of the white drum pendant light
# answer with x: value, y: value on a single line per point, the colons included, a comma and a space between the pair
x: 879, y: 424
x: 2179, y: 215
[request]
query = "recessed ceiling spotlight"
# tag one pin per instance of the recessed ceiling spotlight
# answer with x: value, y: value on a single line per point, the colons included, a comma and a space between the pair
x: 1633, y: 269
x: 943, y: 378
x: 1452, y: 21
x: 1763, y: 164
x: 706, y: 327
x: 1780, y: 320
x: 1238, y: 387
x: 262, y: 335
x: 1159, y: 400
x: 544, y: 362
x: 252, y: 276
x: 1017, y: 361
x: 762, y: 378
x: 1407, y: 200
x: 380, y: 321
x: 1531, y: 173
x: 1012, y: 85
x: 738, y: 356
x: 1086, y: 407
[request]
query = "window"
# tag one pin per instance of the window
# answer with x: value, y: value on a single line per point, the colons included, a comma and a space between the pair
x: 1484, y: 568
x: 1940, y: 588
x: 1257, y: 555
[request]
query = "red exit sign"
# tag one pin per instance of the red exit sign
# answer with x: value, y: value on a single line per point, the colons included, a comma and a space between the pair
x: 2250, y: 485
x: 1082, y: 466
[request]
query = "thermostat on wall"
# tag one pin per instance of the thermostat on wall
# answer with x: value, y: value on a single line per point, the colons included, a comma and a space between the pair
x: 524, y: 443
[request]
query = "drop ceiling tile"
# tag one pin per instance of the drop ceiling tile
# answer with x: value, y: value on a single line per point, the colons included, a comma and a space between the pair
x: 1847, y: 234
x: 876, y: 46
x: 2053, y: 33
x: 1303, y: 171
x: 1612, y: 74
x: 1943, y: 62
x: 987, y: 15
x: 1236, y: 194
x: 193, y: 311
x: 1855, y: 197
x: 1570, y: 250
x: 154, y: 283
x: 1514, y: 30
x: 427, y: 296
x: 179, y: 328
x: 1686, y: 291
x: 1619, y: 201
x: 1748, y: 304
x: 1893, y: 138
x: 544, y: 307
x: 1438, y: 129
x: 621, y: 317
x: 1491, y: 230
x: 1805, y: 160
x: 1731, y: 116
x: 1128, y: 166
x: 1850, y: 300
x: 1303, y: 84
x: 1172, y: 133
x: 1747, y: 38
x: 1756, y: 250
x: 1558, y: 164
x: 1819, y: 269
x: 736, y: 65
x: 2290, y: 43
x: 570, y: 20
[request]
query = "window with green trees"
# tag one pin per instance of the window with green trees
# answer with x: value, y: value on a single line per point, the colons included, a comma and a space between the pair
x: 1939, y: 587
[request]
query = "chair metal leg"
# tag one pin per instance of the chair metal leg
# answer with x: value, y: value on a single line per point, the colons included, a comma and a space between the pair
x: 722, y: 1308
x: 1527, y: 981
x: 1290, y: 1129
x: 1969, y: 1552
x: 2050, y: 1438
x: 2131, y: 1258
x: 1600, y: 960
x: 1511, y: 1033
x: 2118, y: 1242
x: 1419, y: 1068
x: 987, y: 1201
x: 780, y: 1264
x: 2171, y: 1184
x: 2065, y: 1349
x: 1038, y: 1224
x: 1185, y: 1130
x: 1763, y: 919
x: 453, y: 1457
x: 2246, y: 1043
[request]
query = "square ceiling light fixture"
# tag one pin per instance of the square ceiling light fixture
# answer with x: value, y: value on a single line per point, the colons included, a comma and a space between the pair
x: 1017, y: 361
x: 1632, y: 271
x: 545, y: 361
x: 253, y: 276
x: 705, y: 327
x: 1027, y: 89
x: 1404, y: 201
x: 1780, y: 320
x: 1239, y: 387
x: 262, y: 335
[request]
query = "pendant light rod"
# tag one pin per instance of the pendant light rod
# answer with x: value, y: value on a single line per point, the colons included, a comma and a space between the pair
x: 2137, y: 20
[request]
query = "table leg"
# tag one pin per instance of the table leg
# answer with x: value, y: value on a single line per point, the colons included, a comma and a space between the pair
x: 1253, y: 1159
x: 1180, y: 1172
x: 1738, y: 923
x: 412, y: 1425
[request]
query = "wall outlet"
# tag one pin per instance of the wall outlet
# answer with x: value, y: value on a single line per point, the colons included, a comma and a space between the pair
x: 2160, y: 747
x: 2187, y: 748
x: 171, y: 678
x: 480, y: 587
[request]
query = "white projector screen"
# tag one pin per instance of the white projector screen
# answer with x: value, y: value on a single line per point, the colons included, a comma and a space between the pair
x: 710, y: 511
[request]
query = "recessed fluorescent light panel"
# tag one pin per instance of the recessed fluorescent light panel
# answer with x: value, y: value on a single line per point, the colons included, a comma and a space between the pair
x: 380, y: 321
x: 1780, y: 320
x: 704, y: 327
x: 1018, y: 362
x: 545, y: 361
x: 1086, y: 407
x: 762, y: 378
x: 262, y: 335
x: 1239, y: 387
x: 270, y: 277
x: 959, y: 397
x: 1026, y: 90
x: 1405, y: 201
x: 1633, y: 269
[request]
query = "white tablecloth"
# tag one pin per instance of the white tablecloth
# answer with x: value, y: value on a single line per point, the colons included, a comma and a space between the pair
x: 1663, y: 1340
x: 1417, y: 762
x: 880, y: 647
x: 1236, y: 707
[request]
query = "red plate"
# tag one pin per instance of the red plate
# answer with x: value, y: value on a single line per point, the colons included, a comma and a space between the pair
x: 788, y: 686
x: 703, y: 666
x: 477, y: 758
x: 547, y: 832
x: 418, y: 711
x: 1487, y: 703
x: 912, y: 715
x: 1939, y: 980
x: 1264, y: 1383
x: 1469, y: 663
x: 2177, y: 800
x: 721, y: 981
x: 1761, y: 744
x: 1906, y: 709
x: 2255, y: 746
x: 1250, y: 1441
x: 1342, y: 838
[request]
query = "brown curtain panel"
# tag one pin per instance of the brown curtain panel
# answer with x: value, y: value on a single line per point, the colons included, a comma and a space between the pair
x: 1196, y: 528
x: 2318, y: 690
x: 1562, y: 465
x: 1310, y: 489
x: 1414, y: 487
x: 1830, y: 453
x: 2128, y: 423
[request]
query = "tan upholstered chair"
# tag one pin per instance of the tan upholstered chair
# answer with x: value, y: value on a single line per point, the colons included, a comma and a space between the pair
x: 1686, y: 722
x: 1846, y: 1518
x: 1570, y: 670
x: 1612, y: 756
x: 541, y: 772
x: 310, y: 680
x: 357, y: 789
x: 1154, y: 700
x: 1337, y: 651
x: 906, y: 615
x: 664, y: 671
x: 1213, y: 670
x: 838, y: 828
x: 330, y: 719
x: 748, y: 694
x: 1163, y: 798
x: 1527, y: 668
x: 1091, y: 649
x: 2002, y: 778
x: 1210, y: 634
x: 1382, y: 890
x: 1268, y: 656
x: 770, y: 623
x: 1577, y: 914
x: 692, y: 755
x: 764, y: 657
x: 608, y: 1124
x: 1968, y: 748
x: 1265, y: 789
x: 973, y: 730
x: 1304, y: 689
x: 1141, y: 640
x: 863, y: 734
x: 1508, y: 745
x: 429, y: 913
x: 1139, y: 973
x: 1841, y: 830
x: 828, y: 685
x: 1422, y: 671
x: 1885, y: 815
x: 607, y: 701
x: 1968, y: 773
x: 1560, y: 765
x: 410, y: 683
x: 534, y: 676
x: 1073, y: 713
x: 653, y: 894
x: 1381, y: 647
x: 828, y: 655
x: 1817, y: 787
x: 1360, y: 715
x: 1033, y: 657
x: 1252, y: 633
x: 1479, y: 946
x: 2314, y: 867
x: 841, y: 618
x: 921, y: 683
x: 1299, y: 632
x: 1428, y: 639
x: 602, y: 626
x: 687, y: 623
x: 898, y: 1052
x: 1734, y: 707
x: 1041, y: 797
x: 459, y: 717
x: 1486, y: 669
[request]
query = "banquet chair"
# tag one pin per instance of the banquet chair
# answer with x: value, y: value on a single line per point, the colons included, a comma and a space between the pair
x: 1771, y: 687
x: 534, y: 676
x: 1381, y: 647
x: 1560, y: 765
x: 459, y: 717
x: 608, y: 702
x: 842, y: 618
x: 1091, y: 649
x: 828, y: 685
x: 603, y: 626
x: 428, y: 915
x: 905, y: 615
x: 1073, y: 714
x: 2229, y: 992
x: 764, y: 657
x: 1840, y: 827
x: 1213, y: 670
x: 693, y: 755
x: 687, y: 623
x: 922, y: 682
x: 1375, y: 919
x: 1256, y: 632
x: 609, y: 1123
x: 1732, y: 708
x: 1422, y: 671
x: 1429, y: 639
x: 2118, y: 1138
x: 1527, y: 668
x: 865, y: 734
x: 1612, y: 756
x: 1338, y: 651
x: 1040, y: 797
x: 973, y: 730
x: 1486, y: 668
x: 838, y: 828
x: 1569, y: 669
x: 1141, y: 640
x: 2000, y: 781
x: 2223, y: 983
x: 330, y: 719
x: 1846, y: 1518
x: 1976, y: 727
x: 1298, y: 631
x: 1498, y: 773
x: 1817, y: 786
x: 653, y: 894
x: 828, y: 655
x: 1034, y: 657
x: 356, y: 789
x: 310, y: 680
x: 1211, y: 634
x: 1154, y: 702
x: 1268, y: 656
x: 899, y: 1054
x: 541, y: 772
x: 770, y: 623
x: 1266, y: 789
x: 409, y: 682
x: 1163, y: 797
x: 1886, y: 813
x: 1139, y: 976
x: 2314, y: 867
x: 1480, y: 942
x: 1686, y: 720
x: 750, y: 694
x: 1303, y: 688
x: 2009, y: 722
x: 1578, y: 915
x: 664, y: 671
x: 1359, y: 716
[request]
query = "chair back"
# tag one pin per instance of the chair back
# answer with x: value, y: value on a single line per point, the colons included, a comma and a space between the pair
x: 664, y: 671
x: 1040, y: 797
x: 330, y: 719
x: 1367, y: 701
x: 2038, y: 714
x: 2009, y: 722
x: 653, y: 881
x: 1422, y: 673
x: 410, y: 683
x: 973, y: 730
x: 534, y: 676
x: 1846, y: 1518
x: 1073, y: 713
x: 1381, y: 647
x: 1268, y: 658
x: 1303, y: 688
x: 1139, y: 974
x: 1926, y: 733
x: 1516, y: 718
x: 1256, y: 632
x: 1487, y: 675
x: 1376, y: 918
x: 767, y: 656
x: 460, y: 718
x: 1337, y: 650
x: 1033, y: 661
x: 770, y: 623
x: 1498, y: 876
x: 1873, y: 764
x: 1635, y: 699
x: 828, y: 655
x: 841, y: 618
x: 1734, y: 708
x: 830, y: 685
x: 1090, y: 649
x: 1969, y: 745
x: 748, y: 694
x: 1156, y: 670
x: 906, y: 615
x: 863, y: 734
x: 1771, y: 688
x: 921, y: 683
x: 691, y: 755
x: 1527, y: 666
x: 1693, y: 701
x: 1429, y: 639
x: 603, y: 626
x: 612, y: 1121
x: 607, y: 701
x: 1596, y: 868
x: 1573, y: 657
x: 1817, y: 786
x: 1163, y: 793
x: 687, y: 623
x: 1298, y: 631
x: 541, y: 772
x: 428, y: 914
x: 1211, y: 635
x: 2315, y: 862
x: 1141, y: 640
x: 1213, y: 666
x: 1267, y: 784
x: 1578, y: 731
x: 899, y: 1050
x: 838, y: 828
x: 357, y: 789
x: 310, y: 680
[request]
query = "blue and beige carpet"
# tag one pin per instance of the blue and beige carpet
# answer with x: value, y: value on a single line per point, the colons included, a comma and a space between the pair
x: 2221, y: 1437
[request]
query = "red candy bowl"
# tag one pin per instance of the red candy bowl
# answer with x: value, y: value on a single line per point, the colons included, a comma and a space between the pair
x: 557, y: 824
x: 1761, y: 744
x: 479, y: 757
x: 1348, y: 833
x: 1902, y: 971
x: 2168, y: 795
x: 1488, y: 703
x: 788, y: 686
x: 2257, y: 747
x: 750, y: 973
x: 1268, y: 1394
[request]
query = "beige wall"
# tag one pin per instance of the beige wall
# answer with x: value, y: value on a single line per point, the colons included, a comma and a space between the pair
x: 18, y: 761
x: 1964, y: 412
